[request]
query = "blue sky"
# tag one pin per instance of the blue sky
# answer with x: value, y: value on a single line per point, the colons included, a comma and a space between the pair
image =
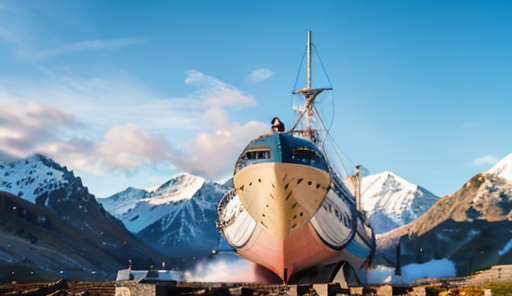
x: 129, y: 93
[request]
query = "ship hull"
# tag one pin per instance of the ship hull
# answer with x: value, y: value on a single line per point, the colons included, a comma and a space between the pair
x: 291, y: 257
x: 301, y: 250
x: 290, y: 214
x: 282, y: 197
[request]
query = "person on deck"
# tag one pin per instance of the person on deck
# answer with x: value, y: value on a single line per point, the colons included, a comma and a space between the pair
x: 277, y: 125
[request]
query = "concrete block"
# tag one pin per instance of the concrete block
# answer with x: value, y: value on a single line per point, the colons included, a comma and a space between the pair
x: 418, y: 291
x: 386, y: 290
x: 123, y: 291
x: 321, y: 289
x: 356, y: 291
x: 292, y: 290
x: 129, y: 288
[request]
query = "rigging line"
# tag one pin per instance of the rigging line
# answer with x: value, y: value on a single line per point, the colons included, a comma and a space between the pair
x: 342, y: 151
x: 332, y: 120
x: 335, y: 144
x: 339, y: 157
x: 323, y: 68
x: 330, y: 84
x: 296, y: 80
x: 298, y: 72
x: 321, y: 122
x: 328, y: 135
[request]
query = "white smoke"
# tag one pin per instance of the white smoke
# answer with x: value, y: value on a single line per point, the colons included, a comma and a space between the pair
x: 226, y: 268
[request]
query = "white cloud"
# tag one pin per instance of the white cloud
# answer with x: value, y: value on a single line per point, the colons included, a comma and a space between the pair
x: 30, y: 127
x: 129, y: 147
x: 485, y: 160
x: 108, y: 44
x: 260, y: 75
x: 214, y: 154
x: 27, y: 126
x: 104, y: 100
x: 103, y: 125
x: 214, y: 92
x: 124, y: 149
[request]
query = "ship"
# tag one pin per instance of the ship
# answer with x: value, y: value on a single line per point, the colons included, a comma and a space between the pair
x: 290, y: 211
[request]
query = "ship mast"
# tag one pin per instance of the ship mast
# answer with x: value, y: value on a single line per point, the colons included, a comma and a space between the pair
x: 309, y: 59
x: 310, y: 95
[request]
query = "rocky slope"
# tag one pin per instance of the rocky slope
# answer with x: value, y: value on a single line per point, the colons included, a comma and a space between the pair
x: 471, y: 227
x: 51, y: 213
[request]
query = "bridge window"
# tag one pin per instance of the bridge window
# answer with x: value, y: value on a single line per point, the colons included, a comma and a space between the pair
x: 253, y: 156
x: 257, y: 154
x: 305, y: 155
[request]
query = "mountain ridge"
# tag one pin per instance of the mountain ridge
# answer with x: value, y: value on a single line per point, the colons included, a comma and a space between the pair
x: 469, y: 227
x: 178, y: 215
x: 390, y: 201
x: 33, y: 187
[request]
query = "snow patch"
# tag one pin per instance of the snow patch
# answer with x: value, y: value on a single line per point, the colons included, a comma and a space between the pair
x: 431, y: 269
x: 506, y: 248
x: 390, y: 201
x: 379, y: 274
x: 503, y: 168
x: 186, y: 190
x: 30, y: 177
x: 141, y: 208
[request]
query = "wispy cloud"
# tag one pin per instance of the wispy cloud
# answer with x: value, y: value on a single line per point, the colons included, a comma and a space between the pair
x: 30, y: 127
x: 214, y: 92
x: 260, y: 75
x: 213, y: 153
x: 100, y: 125
x: 128, y: 147
x: 87, y: 45
x: 485, y: 160
x: 106, y: 99
x: 27, y: 126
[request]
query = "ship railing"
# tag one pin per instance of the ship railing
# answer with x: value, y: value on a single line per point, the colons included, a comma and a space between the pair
x: 310, y: 134
x: 221, y: 207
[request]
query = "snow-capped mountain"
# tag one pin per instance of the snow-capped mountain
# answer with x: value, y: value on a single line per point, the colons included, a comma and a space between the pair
x: 472, y: 228
x: 390, y: 201
x: 178, y: 217
x: 44, y: 208
x: 41, y: 181
x: 503, y: 168
x: 28, y: 178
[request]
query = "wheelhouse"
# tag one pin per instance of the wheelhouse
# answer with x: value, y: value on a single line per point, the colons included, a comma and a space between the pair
x: 281, y: 147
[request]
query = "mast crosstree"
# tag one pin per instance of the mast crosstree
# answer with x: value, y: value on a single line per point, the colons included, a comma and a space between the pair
x: 309, y: 94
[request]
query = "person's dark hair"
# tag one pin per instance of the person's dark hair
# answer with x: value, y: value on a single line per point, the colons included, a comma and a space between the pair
x: 280, y: 124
